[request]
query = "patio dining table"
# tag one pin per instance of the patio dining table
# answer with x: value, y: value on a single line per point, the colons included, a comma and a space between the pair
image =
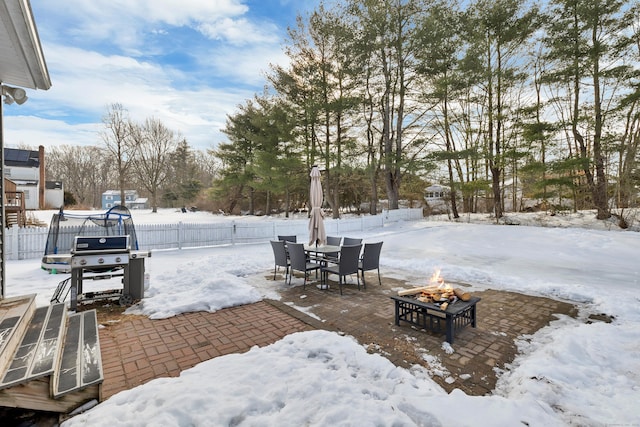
x: 321, y: 250
x: 318, y: 253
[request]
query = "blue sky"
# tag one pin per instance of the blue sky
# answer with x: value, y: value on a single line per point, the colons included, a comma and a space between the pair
x: 188, y: 63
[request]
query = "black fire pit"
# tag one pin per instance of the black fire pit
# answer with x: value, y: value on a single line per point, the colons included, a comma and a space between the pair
x: 430, y: 316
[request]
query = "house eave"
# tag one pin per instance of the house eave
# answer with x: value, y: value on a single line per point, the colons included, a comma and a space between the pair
x: 23, y: 62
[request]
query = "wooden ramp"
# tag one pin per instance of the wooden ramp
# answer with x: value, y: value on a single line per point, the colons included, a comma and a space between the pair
x: 49, y: 360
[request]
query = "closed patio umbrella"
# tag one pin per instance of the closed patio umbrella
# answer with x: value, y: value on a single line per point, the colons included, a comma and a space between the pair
x: 317, y: 234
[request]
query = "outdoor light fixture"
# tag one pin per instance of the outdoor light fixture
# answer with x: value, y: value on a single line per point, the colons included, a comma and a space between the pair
x: 12, y: 94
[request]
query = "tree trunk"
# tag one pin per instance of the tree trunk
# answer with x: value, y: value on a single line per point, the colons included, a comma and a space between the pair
x: 373, y: 205
x: 287, y: 203
x: 600, y: 188
x: 251, y: 201
x: 154, y: 201
x: 452, y: 192
x: 267, y: 207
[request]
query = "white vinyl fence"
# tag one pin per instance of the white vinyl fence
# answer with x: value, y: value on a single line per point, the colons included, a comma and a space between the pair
x: 29, y: 243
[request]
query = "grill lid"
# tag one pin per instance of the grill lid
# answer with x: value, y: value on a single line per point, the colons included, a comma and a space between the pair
x: 100, y: 244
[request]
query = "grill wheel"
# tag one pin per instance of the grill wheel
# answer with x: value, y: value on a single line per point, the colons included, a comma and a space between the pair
x: 125, y: 300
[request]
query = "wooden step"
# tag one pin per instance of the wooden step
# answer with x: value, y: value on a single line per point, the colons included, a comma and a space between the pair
x: 37, y: 353
x: 50, y: 361
x: 81, y: 363
x: 36, y: 395
x: 11, y: 219
x: 15, y: 315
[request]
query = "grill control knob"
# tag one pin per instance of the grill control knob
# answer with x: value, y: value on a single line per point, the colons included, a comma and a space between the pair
x: 83, y: 261
x: 100, y: 260
x: 118, y: 259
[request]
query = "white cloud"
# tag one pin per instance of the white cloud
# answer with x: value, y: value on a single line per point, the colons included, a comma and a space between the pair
x: 34, y: 131
x: 86, y: 83
x: 239, y: 31
x: 189, y: 63
x: 89, y: 80
x: 198, y: 116
x: 125, y: 22
x: 183, y: 12
x: 243, y: 66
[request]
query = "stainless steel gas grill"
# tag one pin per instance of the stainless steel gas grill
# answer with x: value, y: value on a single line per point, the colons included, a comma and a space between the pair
x: 105, y: 257
x: 100, y: 253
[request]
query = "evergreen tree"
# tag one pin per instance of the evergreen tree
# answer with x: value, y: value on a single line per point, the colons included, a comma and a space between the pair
x: 588, y: 42
x: 498, y: 31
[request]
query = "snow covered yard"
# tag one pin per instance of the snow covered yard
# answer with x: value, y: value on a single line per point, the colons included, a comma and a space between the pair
x: 570, y: 373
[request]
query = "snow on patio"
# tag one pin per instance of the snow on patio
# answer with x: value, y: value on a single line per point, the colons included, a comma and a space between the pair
x: 570, y: 373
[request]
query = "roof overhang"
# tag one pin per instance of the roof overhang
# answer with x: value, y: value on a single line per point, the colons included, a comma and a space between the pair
x: 21, y: 58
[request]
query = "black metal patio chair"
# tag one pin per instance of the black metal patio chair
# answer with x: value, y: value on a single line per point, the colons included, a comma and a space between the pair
x: 332, y: 241
x: 350, y: 241
x: 293, y: 239
x: 346, y: 265
x: 370, y: 260
x: 299, y: 261
x: 280, y: 257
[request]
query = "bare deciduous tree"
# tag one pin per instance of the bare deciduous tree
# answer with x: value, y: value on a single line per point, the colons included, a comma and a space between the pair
x: 154, y: 144
x: 81, y: 169
x: 118, y: 143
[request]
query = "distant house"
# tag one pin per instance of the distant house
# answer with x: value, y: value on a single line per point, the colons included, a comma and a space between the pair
x: 435, y: 192
x: 436, y: 197
x: 111, y: 198
x: 26, y: 171
x: 22, y: 167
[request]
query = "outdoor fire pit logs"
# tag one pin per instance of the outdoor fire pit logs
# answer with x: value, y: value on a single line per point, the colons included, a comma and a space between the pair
x: 437, y: 292
x: 438, y: 295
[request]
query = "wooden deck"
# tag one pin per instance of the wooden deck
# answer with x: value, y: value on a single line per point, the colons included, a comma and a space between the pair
x: 49, y: 360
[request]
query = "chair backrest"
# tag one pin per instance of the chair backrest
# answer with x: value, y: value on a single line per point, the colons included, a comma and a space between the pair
x: 371, y: 255
x: 349, y: 257
x: 297, y: 256
x: 279, y: 252
x: 334, y: 241
x: 349, y: 241
x: 293, y: 239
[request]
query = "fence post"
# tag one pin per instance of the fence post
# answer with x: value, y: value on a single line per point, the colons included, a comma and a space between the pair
x: 179, y: 235
x: 233, y: 232
x: 15, y: 242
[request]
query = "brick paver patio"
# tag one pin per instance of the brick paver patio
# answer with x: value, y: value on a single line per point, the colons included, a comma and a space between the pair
x: 368, y: 315
x: 136, y: 349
